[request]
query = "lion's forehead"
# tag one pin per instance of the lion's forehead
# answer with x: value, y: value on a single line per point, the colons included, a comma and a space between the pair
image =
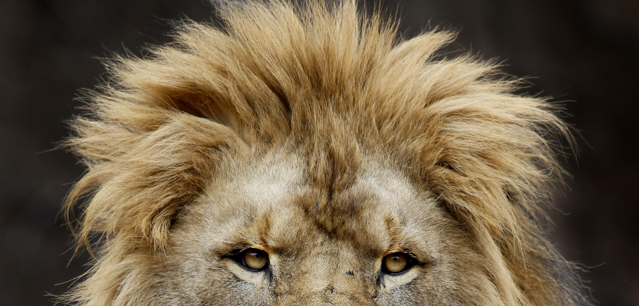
x: 275, y: 208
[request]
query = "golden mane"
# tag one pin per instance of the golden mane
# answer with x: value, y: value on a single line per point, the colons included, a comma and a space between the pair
x: 332, y: 82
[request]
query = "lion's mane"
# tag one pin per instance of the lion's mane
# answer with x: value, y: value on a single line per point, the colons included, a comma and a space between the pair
x: 331, y: 82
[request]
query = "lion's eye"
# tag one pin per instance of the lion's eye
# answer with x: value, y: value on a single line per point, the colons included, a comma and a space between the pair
x: 253, y: 259
x: 397, y: 263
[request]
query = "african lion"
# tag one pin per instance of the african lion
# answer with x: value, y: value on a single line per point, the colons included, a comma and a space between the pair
x: 304, y: 155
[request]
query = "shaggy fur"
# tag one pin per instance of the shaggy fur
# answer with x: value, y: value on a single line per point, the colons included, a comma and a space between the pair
x: 318, y: 136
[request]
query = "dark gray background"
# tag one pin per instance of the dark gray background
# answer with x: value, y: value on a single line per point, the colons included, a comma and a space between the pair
x: 585, y: 52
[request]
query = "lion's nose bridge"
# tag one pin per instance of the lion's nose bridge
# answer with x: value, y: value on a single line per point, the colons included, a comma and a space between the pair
x: 329, y: 297
x: 327, y: 276
x: 318, y: 274
x: 329, y: 273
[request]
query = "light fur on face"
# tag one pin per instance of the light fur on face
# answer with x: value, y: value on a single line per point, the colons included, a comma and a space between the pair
x: 316, y: 135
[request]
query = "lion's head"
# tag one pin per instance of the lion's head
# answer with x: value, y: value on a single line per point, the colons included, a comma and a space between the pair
x: 306, y: 156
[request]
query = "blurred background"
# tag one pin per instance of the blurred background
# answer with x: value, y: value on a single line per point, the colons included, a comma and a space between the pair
x: 584, y: 53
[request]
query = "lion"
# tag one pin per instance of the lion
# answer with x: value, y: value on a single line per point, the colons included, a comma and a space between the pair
x: 305, y: 155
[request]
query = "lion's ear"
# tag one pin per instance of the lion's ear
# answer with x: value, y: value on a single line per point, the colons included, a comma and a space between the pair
x: 503, y: 151
x: 152, y: 139
x: 139, y: 181
x: 159, y: 126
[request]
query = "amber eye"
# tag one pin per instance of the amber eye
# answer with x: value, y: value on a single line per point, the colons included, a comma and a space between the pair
x: 254, y: 259
x: 397, y: 263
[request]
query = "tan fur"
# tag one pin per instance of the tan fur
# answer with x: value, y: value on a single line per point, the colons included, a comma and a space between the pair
x: 316, y: 135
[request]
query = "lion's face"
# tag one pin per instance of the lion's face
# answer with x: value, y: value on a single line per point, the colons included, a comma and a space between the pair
x: 261, y: 235
x: 306, y: 156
